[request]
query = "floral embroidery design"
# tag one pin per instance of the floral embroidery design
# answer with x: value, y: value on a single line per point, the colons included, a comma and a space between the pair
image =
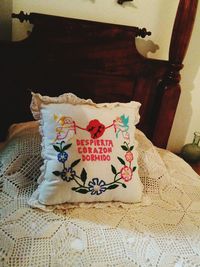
x: 62, y: 156
x: 95, y: 186
x: 126, y: 173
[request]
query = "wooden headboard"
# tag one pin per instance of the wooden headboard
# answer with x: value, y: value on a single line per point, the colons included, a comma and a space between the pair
x: 94, y: 60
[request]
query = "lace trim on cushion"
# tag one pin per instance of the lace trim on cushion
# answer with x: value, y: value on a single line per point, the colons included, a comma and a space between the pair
x: 34, y: 203
x: 38, y: 100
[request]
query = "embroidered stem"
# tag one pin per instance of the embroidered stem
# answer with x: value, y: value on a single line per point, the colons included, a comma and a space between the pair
x: 113, y: 182
x: 78, y: 182
x: 116, y: 176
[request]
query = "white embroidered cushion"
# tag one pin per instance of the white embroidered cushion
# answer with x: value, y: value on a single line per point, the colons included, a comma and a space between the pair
x: 88, y: 150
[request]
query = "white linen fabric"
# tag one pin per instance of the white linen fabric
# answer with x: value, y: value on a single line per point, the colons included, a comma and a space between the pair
x: 89, y: 150
x: 163, y: 232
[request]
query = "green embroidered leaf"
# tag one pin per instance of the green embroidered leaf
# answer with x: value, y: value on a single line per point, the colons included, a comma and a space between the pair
x: 74, y: 188
x: 124, y: 185
x: 82, y: 190
x: 75, y: 163
x: 113, y: 169
x: 134, y: 168
x: 113, y: 186
x: 131, y: 148
x: 124, y: 148
x: 56, y: 148
x: 121, y: 160
x: 83, y: 176
x: 66, y: 147
x: 56, y: 173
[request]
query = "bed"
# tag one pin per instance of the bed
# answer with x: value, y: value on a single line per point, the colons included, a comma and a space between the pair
x: 63, y: 54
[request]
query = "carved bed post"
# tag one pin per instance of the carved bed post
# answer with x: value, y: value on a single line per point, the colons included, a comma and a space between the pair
x: 169, y: 88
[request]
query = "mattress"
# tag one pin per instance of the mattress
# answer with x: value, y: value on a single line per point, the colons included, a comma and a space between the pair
x: 163, y: 230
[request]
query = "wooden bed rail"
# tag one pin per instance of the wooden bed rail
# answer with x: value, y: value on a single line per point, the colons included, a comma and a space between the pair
x: 169, y: 87
x: 94, y: 60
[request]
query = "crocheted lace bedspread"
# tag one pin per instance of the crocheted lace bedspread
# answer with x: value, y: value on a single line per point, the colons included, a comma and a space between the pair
x: 161, y: 231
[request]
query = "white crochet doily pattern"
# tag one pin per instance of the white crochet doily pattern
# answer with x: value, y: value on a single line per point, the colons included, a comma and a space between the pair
x: 162, y: 231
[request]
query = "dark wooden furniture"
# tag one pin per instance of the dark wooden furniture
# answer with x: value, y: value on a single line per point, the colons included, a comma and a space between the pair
x: 94, y: 60
x: 195, y: 167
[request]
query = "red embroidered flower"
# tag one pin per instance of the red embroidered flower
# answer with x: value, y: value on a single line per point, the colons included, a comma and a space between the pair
x: 96, y: 129
x: 129, y: 156
x: 126, y: 173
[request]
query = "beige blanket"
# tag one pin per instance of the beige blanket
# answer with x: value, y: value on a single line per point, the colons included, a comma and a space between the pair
x: 161, y: 231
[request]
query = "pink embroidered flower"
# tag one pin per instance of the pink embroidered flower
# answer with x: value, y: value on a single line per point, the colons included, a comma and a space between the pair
x: 129, y: 156
x: 126, y: 173
x: 126, y: 136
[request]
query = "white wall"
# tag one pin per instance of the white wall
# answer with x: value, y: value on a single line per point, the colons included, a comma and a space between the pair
x: 5, y: 20
x: 157, y: 16
x: 187, y: 119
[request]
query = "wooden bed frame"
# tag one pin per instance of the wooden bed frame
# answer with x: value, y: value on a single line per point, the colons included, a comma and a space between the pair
x: 94, y: 60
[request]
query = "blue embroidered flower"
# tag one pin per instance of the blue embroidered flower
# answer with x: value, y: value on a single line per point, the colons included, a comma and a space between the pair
x: 96, y: 186
x: 62, y: 157
x: 68, y: 174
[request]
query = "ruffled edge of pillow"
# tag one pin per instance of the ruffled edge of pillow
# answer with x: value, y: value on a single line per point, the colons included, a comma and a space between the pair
x: 38, y: 100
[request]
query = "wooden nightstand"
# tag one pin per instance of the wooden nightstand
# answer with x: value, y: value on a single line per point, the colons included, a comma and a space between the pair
x: 1, y: 145
x: 196, y: 167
